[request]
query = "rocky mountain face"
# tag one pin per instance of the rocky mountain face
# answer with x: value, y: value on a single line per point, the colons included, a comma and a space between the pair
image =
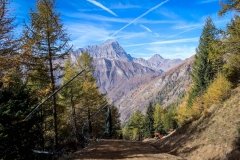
x: 131, y: 83
x: 108, y: 50
x: 157, y: 62
x: 165, y: 89
x: 115, y: 71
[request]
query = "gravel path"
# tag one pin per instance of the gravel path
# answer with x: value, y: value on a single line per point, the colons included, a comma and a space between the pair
x: 119, y: 149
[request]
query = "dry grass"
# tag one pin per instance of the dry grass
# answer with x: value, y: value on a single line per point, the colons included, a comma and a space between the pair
x: 211, y: 137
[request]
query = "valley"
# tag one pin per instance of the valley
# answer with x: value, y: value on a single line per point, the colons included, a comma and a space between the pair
x: 127, y: 81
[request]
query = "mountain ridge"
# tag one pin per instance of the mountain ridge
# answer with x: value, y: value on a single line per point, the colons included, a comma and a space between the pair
x: 120, y: 76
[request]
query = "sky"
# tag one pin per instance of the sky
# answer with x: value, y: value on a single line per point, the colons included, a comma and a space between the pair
x: 143, y: 28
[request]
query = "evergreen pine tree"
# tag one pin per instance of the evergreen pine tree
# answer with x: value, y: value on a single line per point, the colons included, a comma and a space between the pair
x: 17, y: 137
x: 149, y: 120
x: 202, y: 72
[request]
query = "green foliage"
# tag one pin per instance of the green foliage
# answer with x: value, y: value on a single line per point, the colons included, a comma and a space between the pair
x: 202, y: 72
x: 149, y: 120
x: 18, y: 137
x: 216, y: 93
x: 135, y: 127
x: 169, y: 121
x: 46, y: 42
x: 232, y: 43
x: 158, y: 116
x: 115, y: 122
x: 164, y: 119
x: 230, y: 5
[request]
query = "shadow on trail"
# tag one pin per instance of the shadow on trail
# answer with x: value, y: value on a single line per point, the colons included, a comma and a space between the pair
x: 116, y: 149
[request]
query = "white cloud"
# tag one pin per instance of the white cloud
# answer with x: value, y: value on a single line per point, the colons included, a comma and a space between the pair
x: 124, y: 6
x: 174, y: 41
x: 207, y: 1
x: 100, y: 18
x: 173, y: 51
x: 167, y: 13
x: 85, y: 34
x: 94, y: 2
x: 139, y: 17
x: 130, y: 35
x: 88, y: 34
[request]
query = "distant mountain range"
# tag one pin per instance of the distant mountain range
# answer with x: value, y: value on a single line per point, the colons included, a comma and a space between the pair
x: 120, y: 75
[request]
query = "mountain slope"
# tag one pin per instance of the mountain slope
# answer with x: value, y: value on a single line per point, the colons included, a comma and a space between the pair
x: 165, y: 89
x: 157, y: 62
x: 131, y: 83
x: 110, y: 49
x: 116, y: 77
x: 214, y: 136
x: 115, y: 71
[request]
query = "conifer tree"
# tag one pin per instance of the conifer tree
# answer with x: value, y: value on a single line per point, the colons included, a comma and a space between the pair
x: 149, y: 120
x: 18, y: 137
x: 136, y: 125
x: 8, y: 46
x: 202, y: 72
x: 71, y: 95
x: 229, y: 5
x: 158, y: 119
x: 232, y: 43
x: 50, y: 44
x: 91, y: 100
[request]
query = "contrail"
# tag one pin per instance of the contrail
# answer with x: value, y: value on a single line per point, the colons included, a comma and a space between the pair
x: 145, y: 27
x: 142, y: 15
x: 94, y: 2
x: 184, y: 40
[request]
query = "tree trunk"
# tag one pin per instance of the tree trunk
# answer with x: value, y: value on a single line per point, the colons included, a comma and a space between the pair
x: 74, y: 121
x: 53, y: 87
x: 89, y: 123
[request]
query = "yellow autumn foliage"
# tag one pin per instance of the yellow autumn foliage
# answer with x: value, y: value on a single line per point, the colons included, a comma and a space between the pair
x: 183, y: 112
x: 217, y: 92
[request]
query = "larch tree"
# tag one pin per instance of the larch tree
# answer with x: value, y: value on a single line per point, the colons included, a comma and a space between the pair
x: 71, y: 95
x: 229, y: 5
x: 8, y: 46
x: 158, y: 119
x: 49, y: 43
x: 232, y: 50
x: 92, y: 100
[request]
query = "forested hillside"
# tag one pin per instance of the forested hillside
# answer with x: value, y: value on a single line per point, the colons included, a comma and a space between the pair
x: 46, y: 107
x: 57, y: 103
x: 206, y: 120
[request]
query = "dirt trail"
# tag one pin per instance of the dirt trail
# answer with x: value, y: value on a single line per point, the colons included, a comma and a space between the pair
x: 118, y: 149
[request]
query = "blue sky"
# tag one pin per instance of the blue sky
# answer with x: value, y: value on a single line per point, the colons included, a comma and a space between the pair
x: 170, y: 28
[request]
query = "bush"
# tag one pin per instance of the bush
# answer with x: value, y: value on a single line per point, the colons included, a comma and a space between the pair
x: 217, y: 92
x: 186, y: 113
x: 232, y: 68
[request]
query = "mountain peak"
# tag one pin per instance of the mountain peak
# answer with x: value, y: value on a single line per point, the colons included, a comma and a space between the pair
x: 110, y: 42
x: 156, y: 57
x: 110, y: 49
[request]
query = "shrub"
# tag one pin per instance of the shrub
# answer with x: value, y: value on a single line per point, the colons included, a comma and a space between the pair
x: 183, y: 112
x: 232, y: 68
x: 217, y: 92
